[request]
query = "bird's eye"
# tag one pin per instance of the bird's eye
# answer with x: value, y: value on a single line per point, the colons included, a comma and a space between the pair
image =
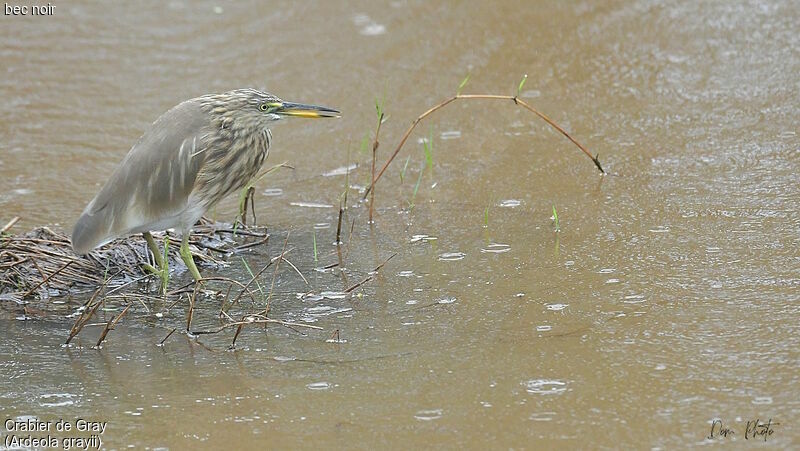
x: 263, y: 107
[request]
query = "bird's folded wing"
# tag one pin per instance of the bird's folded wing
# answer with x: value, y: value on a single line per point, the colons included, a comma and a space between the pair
x: 152, y: 184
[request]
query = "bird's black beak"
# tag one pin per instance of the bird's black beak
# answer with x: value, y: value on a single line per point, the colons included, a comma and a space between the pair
x: 303, y: 110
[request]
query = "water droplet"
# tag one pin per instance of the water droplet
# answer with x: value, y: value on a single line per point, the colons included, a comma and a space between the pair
x: 368, y: 26
x: 429, y: 415
x: 545, y: 387
x: 311, y: 297
x: 542, y: 416
x: 634, y: 299
x: 57, y: 400
x: 373, y: 29
x: 510, y: 203
x: 273, y: 192
x: 496, y: 248
x: 342, y: 170
x: 416, y: 238
x: 452, y: 256
x: 310, y: 204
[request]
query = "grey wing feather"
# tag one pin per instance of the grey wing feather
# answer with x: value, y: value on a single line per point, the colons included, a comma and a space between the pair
x: 151, y: 186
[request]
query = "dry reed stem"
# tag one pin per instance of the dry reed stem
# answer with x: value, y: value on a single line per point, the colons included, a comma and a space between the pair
x: 339, y: 226
x: 190, y: 314
x: 370, y: 276
x: 288, y: 262
x: 275, y: 273
x: 253, y: 244
x: 375, y: 145
x: 43, y: 281
x: 9, y: 225
x: 161, y: 343
x: 110, y: 325
x: 254, y: 319
x: 446, y: 102
x: 85, y: 315
x: 252, y: 279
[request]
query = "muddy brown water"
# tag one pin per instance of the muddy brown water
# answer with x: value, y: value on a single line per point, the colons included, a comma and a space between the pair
x: 669, y: 298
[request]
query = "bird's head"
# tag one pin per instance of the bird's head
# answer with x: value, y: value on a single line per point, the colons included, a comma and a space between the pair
x: 257, y: 108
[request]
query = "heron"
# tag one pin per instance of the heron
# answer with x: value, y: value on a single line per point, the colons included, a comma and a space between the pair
x: 190, y: 158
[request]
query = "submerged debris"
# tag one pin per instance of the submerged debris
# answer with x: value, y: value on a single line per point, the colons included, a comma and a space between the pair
x: 42, y: 263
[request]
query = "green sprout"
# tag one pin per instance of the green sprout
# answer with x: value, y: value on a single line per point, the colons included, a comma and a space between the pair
x: 403, y: 171
x: 247, y: 267
x: 555, y: 218
x: 315, y: 244
x: 428, y: 147
x: 416, y: 188
x: 521, y: 84
x: 462, y: 84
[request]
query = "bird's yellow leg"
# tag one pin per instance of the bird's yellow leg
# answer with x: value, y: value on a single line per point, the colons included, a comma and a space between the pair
x: 151, y: 243
x: 161, y: 261
x: 186, y: 255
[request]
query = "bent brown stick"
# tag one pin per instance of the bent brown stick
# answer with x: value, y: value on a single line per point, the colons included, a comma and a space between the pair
x: 446, y: 102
